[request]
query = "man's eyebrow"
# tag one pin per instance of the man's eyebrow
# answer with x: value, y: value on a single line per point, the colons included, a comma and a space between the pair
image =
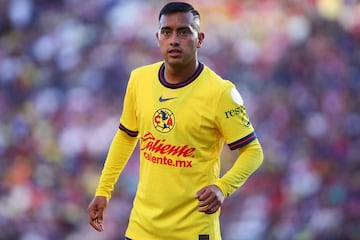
x: 184, y: 28
x: 179, y: 28
x: 165, y: 28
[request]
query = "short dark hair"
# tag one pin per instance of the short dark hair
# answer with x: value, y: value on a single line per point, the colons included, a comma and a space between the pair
x: 174, y: 7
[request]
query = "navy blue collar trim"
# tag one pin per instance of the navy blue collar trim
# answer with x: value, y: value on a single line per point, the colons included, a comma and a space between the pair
x: 182, y: 84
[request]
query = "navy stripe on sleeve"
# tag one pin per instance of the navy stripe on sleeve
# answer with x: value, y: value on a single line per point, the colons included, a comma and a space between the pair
x: 128, y: 132
x: 242, y: 142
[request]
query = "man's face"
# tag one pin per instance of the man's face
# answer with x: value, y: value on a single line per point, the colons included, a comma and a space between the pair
x: 178, y: 40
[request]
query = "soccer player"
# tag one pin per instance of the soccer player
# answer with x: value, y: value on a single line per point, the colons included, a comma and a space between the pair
x: 182, y: 113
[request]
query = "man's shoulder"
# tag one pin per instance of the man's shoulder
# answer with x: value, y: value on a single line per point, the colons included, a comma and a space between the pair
x: 214, y: 79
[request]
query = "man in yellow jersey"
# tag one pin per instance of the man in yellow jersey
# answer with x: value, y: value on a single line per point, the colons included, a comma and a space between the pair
x: 182, y: 113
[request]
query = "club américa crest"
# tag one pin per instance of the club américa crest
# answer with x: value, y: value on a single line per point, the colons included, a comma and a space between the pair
x: 164, y: 120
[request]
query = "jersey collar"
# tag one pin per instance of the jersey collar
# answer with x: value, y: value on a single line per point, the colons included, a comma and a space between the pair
x: 163, y: 81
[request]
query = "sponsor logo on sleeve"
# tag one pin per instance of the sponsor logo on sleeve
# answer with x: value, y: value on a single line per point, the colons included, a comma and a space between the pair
x: 241, y: 112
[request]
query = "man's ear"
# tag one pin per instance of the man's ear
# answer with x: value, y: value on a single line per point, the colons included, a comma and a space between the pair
x: 201, y: 37
x: 157, y: 38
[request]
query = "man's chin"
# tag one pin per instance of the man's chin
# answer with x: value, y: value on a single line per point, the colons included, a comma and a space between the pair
x: 175, y: 63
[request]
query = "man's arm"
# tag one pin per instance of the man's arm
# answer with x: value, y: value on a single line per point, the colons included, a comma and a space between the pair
x: 250, y: 158
x: 119, y: 153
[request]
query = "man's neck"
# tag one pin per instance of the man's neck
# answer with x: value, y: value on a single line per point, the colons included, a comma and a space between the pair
x: 175, y: 75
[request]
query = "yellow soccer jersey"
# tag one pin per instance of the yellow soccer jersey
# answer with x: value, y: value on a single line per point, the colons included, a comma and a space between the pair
x: 182, y: 128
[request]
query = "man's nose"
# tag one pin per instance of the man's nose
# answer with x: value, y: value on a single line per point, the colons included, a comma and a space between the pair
x: 174, y: 40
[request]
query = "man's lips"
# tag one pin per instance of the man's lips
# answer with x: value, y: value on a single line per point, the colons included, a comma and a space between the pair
x: 174, y: 52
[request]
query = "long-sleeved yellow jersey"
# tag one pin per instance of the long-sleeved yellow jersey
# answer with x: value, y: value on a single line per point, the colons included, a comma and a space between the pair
x: 182, y: 129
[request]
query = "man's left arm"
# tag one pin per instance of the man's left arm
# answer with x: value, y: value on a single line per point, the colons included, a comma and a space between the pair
x: 249, y: 160
x: 231, y: 112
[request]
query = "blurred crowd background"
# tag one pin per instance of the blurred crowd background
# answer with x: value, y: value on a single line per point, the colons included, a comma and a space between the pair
x: 64, y: 67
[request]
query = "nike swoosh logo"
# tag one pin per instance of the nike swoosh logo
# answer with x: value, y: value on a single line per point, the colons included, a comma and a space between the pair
x: 161, y: 99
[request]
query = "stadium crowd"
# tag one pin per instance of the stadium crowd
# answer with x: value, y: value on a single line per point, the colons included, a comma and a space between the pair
x: 64, y: 66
